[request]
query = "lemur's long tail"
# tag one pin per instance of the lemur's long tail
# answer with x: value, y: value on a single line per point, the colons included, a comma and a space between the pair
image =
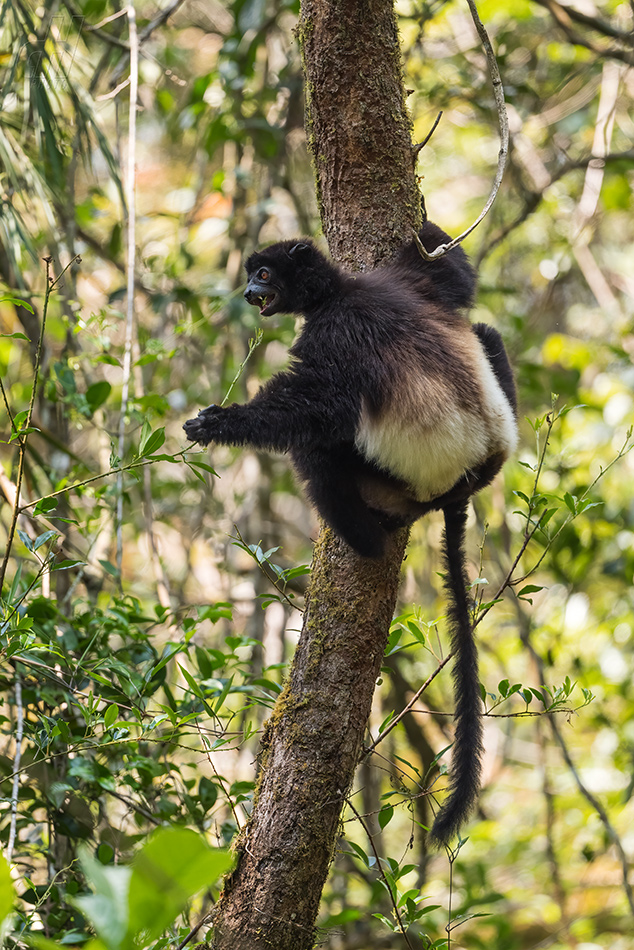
x: 466, y: 753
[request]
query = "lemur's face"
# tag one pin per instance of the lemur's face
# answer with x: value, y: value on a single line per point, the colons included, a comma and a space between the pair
x: 264, y: 291
x: 277, y: 277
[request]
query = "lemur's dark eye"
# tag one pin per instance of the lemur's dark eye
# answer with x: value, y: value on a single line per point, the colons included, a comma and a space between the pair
x: 264, y: 274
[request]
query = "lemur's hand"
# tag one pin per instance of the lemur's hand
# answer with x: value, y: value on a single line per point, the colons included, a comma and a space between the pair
x: 206, y: 427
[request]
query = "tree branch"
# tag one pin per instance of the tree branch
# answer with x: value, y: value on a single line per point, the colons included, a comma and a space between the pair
x: 563, y: 17
x: 584, y: 790
x: 594, y: 23
x: 15, y: 788
x: 535, y: 198
x: 130, y: 268
x: 498, y: 94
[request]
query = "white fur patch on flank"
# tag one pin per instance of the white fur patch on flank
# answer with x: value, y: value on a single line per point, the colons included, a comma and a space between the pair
x: 501, y: 418
x: 431, y: 445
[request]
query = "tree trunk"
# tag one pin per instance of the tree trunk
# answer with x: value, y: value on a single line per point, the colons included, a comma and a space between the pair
x: 359, y: 136
x: 359, y: 132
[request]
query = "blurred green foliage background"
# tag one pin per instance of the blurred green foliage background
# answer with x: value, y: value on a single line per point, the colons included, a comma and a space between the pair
x: 136, y: 685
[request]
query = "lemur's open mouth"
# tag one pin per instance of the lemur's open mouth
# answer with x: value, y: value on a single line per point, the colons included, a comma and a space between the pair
x: 266, y: 302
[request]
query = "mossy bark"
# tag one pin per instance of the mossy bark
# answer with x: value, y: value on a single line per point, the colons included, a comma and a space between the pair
x: 359, y: 135
x: 359, y: 132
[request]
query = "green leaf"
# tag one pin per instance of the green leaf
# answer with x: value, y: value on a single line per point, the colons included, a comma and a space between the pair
x: 43, y: 538
x: 385, y: 816
x: 110, y: 716
x: 151, y: 441
x: 225, y: 692
x: 45, y: 505
x: 171, y: 649
x: 360, y: 852
x: 107, y: 908
x: 61, y: 728
x: 132, y: 906
x: 18, y: 303
x: 7, y: 895
x: 97, y: 394
x: 416, y: 632
x: 174, y: 864
x: 109, y: 568
x: 43, y: 943
x: 490, y: 603
x: 204, y: 662
x: 66, y: 564
x: 199, y: 475
x: 529, y: 589
x: 25, y: 539
x: 207, y: 793
x: 203, y: 465
x: 386, y: 721
x: 546, y: 516
x: 191, y: 682
x: 22, y: 432
x: 146, y: 432
x: 388, y: 923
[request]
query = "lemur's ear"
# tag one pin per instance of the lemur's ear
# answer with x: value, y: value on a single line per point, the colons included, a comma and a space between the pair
x: 298, y: 250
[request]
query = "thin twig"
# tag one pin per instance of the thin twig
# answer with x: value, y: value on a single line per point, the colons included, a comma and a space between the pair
x: 97, y: 28
x: 530, y: 529
x: 192, y: 933
x: 221, y: 782
x: 160, y: 577
x: 624, y: 450
x: 594, y: 23
x: 44, y: 670
x: 17, y: 603
x: 381, y: 871
x: 253, y: 343
x: 110, y: 19
x: 418, y: 148
x: 119, y: 469
x: 158, y: 20
x: 599, y: 809
x: 131, y: 210
x: 133, y: 805
x: 498, y: 94
x: 50, y: 286
x: 549, y: 799
x: 113, y: 92
x: 155, y: 740
x: 563, y: 20
x: 449, y: 902
x: 19, y: 732
x: 587, y: 794
x: 5, y: 400
x: 271, y: 576
x: 534, y: 199
x: 409, y: 706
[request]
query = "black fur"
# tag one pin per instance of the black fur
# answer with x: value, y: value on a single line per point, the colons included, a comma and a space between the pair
x: 377, y: 348
x: 450, y: 279
x: 466, y: 753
